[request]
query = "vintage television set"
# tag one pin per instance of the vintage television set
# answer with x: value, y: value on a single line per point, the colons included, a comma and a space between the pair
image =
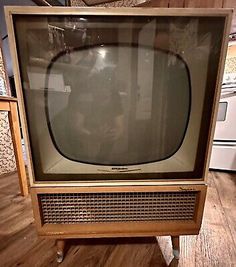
x: 118, y: 109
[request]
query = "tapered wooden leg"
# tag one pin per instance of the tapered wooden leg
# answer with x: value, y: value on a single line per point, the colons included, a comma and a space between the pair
x: 175, y: 246
x: 60, y: 243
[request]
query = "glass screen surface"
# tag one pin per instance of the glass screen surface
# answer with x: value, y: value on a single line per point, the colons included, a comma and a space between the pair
x: 119, y: 119
x: 116, y: 91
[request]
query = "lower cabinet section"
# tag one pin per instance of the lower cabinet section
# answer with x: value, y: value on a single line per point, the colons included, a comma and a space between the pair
x: 118, y: 211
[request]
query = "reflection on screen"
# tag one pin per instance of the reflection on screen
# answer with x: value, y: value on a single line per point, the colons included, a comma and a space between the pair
x: 123, y: 104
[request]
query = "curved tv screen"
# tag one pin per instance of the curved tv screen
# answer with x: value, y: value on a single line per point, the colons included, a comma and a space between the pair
x: 107, y: 121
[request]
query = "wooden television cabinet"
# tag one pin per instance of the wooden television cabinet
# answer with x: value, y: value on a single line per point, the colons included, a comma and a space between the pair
x: 161, y: 199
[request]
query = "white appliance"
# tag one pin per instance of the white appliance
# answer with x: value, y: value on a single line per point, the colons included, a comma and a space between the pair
x: 224, y: 145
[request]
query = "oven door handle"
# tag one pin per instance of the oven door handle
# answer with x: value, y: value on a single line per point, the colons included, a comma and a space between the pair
x: 228, y: 93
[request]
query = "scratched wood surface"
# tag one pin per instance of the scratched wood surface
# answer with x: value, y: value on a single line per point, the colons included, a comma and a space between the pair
x: 214, y: 246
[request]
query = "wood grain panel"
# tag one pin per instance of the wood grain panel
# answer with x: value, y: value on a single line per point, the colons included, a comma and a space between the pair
x: 204, y: 3
x: 176, y: 3
x: 204, y: 250
x: 4, y: 106
x: 227, y: 194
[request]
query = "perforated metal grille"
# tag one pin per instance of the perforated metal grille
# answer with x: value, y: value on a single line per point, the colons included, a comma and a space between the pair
x: 72, y: 208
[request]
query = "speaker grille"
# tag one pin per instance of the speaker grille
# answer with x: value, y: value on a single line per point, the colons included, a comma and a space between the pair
x: 72, y: 208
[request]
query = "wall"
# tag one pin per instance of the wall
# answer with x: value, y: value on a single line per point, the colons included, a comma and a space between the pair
x: 173, y: 3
